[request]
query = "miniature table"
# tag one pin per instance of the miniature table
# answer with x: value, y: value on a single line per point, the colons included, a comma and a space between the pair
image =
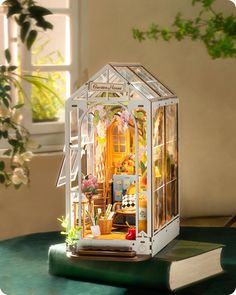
x: 124, y: 215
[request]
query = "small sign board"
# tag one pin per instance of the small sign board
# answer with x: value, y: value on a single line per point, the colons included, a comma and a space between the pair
x: 112, y: 87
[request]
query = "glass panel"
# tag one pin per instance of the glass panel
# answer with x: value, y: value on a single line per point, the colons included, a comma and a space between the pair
x: 158, y: 127
x: 122, y: 140
x: 172, y: 200
x: 74, y: 168
x: 134, y: 95
x: 115, y: 130
x: 102, y: 78
x: 116, y: 148
x: 136, y: 82
x: 47, y: 49
x: 171, y: 161
x: 113, y: 78
x: 54, y: 3
x: 171, y: 122
x: 62, y: 175
x: 158, y: 166
x: 46, y: 106
x: 141, y: 116
x: 151, y: 81
x: 122, y: 148
x: 87, y: 143
x: 159, y: 208
x: 115, y: 139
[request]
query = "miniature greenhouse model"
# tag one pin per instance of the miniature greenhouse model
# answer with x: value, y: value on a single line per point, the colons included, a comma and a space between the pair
x: 121, y: 160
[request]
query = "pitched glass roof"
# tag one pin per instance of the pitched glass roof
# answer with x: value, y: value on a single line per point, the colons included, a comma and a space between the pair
x: 134, y: 76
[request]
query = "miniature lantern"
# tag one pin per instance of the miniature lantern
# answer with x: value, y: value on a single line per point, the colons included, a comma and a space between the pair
x: 121, y: 160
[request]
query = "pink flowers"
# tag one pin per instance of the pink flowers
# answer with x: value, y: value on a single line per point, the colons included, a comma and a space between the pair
x: 89, y: 184
x: 123, y: 120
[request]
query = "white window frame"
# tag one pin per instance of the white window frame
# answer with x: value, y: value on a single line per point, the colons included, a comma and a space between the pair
x: 50, y: 135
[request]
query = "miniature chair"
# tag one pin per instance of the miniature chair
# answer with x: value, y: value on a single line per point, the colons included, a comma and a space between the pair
x: 125, y: 211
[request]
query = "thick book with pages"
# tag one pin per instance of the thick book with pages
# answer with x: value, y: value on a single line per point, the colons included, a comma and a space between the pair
x: 179, y: 264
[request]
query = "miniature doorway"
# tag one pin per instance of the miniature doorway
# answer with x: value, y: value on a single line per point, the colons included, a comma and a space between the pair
x: 120, y: 146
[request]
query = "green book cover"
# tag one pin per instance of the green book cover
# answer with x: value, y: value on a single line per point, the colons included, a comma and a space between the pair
x: 152, y: 273
x: 182, y: 249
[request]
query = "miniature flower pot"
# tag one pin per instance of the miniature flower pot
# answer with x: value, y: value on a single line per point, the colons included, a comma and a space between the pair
x: 105, y: 226
x: 95, y: 229
x: 72, y: 249
x: 131, y: 235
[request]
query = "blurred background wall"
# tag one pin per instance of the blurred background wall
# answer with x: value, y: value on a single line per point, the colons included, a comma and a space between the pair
x: 207, y: 92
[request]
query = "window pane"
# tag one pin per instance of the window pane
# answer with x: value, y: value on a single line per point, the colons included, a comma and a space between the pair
x: 122, y: 148
x: 115, y: 139
x: 158, y: 127
x: 115, y: 148
x: 171, y: 122
x: 49, y: 50
x: 171, y: 161
x: 159, y: 208
x: 54, y: 3
x: 2, y: 39
x: 158, y: 166
x: 47, y: 99
x: 141, y: 117
x: 122, y: 140
x: 115, y: 130
x: 172, y: 200
x: 136, y: 82
x: 151, y: 81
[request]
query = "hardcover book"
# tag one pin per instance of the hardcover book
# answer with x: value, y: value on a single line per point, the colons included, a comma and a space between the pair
x: 179, y: 264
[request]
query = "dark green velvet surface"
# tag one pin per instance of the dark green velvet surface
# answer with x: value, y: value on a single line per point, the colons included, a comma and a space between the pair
x: 24, y: 267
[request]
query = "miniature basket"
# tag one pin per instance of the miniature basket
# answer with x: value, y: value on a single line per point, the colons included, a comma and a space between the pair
x: 105, y: 226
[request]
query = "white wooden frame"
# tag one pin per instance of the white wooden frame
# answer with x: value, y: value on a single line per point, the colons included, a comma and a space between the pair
x: 146, y: 243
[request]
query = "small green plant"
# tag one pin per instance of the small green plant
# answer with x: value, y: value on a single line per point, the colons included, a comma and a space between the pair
x: 129, y: 226
x: 72, y: 233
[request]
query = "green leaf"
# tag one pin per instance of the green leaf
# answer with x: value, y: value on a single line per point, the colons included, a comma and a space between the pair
x: 12, y: 68
x: 14, y: 9
x: 24, y: 30
x: 7, y: 88
x: 142, y: 166
x: 2, y: 165
x: 207, y: 3
x: 6, y: 102
x: 39, y: 11
x: 8, y: 55
x: 44, y: 24
x: 138, y: 35
x: 18, y: 106
x: 7, y: 152
x: 3, y: 69
x: 13, y: 142
x: 2, y: 178
x: 5, y: 134
x: 31, y: 38
x: 22, y: 18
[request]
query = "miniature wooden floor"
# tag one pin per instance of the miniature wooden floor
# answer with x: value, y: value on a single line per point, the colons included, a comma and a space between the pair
x: 113, y: 236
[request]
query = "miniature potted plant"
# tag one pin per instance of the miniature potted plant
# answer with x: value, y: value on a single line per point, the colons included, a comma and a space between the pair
x: 72, y: 234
